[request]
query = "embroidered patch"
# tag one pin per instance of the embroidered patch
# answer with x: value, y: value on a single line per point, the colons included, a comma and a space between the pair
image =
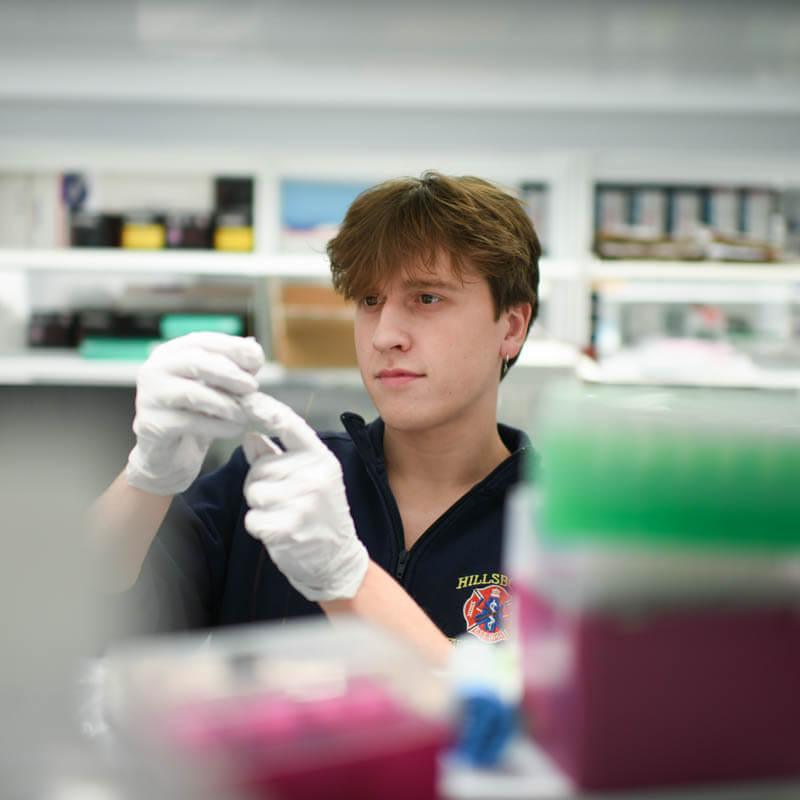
x: 488, y: 612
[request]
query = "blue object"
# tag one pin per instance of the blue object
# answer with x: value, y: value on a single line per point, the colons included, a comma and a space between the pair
x: 74, y: 190
x: 307, y: 204
x: 487, y: 725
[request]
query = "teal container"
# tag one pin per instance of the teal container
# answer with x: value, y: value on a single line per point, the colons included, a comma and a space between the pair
x: 712, y: 470
x: 174, y: 325
x: 95, y: 347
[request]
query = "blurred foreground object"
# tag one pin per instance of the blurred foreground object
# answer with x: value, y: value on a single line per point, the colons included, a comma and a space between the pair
x: 305, y: 710
x: 50, y: 617
x: 487, y: 684
x: 656, y: 567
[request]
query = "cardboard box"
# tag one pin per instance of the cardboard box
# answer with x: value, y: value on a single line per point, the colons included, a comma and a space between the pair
x: 312, y: 327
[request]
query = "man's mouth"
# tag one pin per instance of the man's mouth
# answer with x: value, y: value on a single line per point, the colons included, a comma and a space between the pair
x: 397, y: 377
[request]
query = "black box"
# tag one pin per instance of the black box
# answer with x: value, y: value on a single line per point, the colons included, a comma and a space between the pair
x: 93, y: 229
x: 52, y: 329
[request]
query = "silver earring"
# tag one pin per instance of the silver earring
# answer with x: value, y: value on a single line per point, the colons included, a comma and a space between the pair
x: 504, y: 369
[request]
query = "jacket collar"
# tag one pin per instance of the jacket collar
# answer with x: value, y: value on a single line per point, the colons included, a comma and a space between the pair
x: 368, y: 439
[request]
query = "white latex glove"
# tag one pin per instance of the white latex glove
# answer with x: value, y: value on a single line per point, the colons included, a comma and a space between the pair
x: 188, y: 393
x: 298, y: 507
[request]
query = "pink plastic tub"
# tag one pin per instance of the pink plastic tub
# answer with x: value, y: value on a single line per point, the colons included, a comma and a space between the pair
x: 668, y: 698
x: 361, y: 744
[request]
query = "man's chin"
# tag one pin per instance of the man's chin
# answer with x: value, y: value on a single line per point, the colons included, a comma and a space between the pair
x: 407, y: 420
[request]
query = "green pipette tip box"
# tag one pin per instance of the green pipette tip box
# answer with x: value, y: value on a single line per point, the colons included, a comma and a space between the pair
x: 96, y: 347
x: 692, y: 469
x: 173, y: 325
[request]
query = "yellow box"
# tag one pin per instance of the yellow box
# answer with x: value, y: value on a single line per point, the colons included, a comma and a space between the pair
x: 149, y: 236
x: 234, y: 240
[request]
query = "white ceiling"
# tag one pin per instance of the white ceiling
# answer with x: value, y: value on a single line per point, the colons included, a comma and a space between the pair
x: 675, y: 55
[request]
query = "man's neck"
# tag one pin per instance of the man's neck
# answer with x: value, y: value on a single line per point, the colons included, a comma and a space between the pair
x: 449, y: 456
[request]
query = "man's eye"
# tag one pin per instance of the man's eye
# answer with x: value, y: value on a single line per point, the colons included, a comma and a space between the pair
x: 429, y: 299
x: 370, y: 300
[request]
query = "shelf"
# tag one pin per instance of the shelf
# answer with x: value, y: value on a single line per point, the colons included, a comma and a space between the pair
x: 548, y: 353
x: 686, y: 291
x: 559, y: 269
x: 174, y: 262
x: 694, y: 271
x: 202, y: 262
x: 54, y: 367
x: 66, y: 368
x: 632, y: 375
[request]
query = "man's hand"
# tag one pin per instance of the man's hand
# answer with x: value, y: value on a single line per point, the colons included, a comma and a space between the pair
x: 188, y: 393
x: 298, y: 507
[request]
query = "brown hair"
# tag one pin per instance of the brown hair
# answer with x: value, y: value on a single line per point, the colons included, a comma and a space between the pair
x: 407, y: 221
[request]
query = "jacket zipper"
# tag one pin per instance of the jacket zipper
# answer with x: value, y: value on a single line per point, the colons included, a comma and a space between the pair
x: 453, y: 512
x: 402, y: 561
x: 390, y: 506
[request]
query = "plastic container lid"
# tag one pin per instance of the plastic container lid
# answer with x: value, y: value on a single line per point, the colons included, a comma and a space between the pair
x: 711, y: 470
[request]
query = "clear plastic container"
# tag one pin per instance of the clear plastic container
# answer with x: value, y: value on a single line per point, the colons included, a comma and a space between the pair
x: 306, y: 710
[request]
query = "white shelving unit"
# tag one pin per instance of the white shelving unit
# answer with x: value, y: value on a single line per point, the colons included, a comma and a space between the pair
x: 63, y: 368
x: 632, y: 374
x: 203, y: 262
x: 176, y: 262
x: 628, y: 282
x: 694, y: 271
x: 66, y: 367
x: 699, y: 290
x: 43, y: 367
x: 568, y: 274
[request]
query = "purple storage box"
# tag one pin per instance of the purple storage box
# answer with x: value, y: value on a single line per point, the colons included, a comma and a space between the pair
x: 674, y: 697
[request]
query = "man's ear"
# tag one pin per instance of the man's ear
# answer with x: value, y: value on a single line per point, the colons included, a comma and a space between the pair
x: 517, y: 319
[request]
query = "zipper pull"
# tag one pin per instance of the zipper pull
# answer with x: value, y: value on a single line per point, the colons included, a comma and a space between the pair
x: 402, y: 560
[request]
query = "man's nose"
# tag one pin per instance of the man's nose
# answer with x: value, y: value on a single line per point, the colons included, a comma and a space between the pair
x: 392, y: 330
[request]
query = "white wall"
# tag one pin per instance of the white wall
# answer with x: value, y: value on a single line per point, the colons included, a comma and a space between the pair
x: 720, y: 55
x: 390, y: 129
x: 521, y: 73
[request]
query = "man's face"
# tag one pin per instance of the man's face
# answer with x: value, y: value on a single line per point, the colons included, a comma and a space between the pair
x: 428, y: 346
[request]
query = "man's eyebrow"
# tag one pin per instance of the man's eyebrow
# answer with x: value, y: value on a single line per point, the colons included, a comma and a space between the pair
x: 432, y: 284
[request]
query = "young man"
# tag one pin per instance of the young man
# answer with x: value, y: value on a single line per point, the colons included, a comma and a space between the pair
x: 444, y: 272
